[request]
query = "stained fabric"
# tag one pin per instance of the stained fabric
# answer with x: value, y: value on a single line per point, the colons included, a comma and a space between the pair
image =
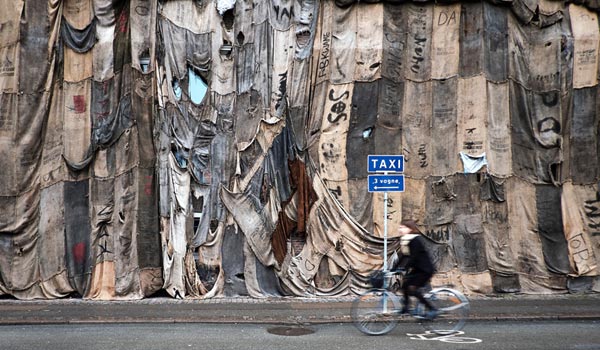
x: 584, y: 137
x: 579, y: 206
x: 416, y: 132
x: 535, y: 133
x: 498, y: 148
x: 443, y: 127
x: 445, y: 44
x: 170, y: 145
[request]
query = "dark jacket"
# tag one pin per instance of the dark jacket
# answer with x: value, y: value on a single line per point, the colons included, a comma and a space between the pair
x: 414, y: 257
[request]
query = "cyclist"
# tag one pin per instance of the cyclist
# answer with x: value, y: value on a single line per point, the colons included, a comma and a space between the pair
x: 415, y: 260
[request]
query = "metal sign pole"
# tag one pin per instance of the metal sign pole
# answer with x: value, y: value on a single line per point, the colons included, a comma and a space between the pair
x: 385, y: 200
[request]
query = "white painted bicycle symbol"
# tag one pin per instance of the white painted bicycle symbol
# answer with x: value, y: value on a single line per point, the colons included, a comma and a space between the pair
x: 455, y: 337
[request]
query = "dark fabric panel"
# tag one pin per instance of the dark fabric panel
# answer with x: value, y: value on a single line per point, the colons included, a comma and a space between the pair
x: 443, y: 131
x: 584, y: 137
x: 550, y: 228
x: 110, y: 118
x: 505, y: 283
x: 148, y: 236
x: 232, y: 251
x: 244, y: 68
x: 79, y: 40
x: 360, y: 141
x: 33, y: 42
x: 469, y: 244
x: 32, y: 115
x: 277, y: 164
x: 468, y: 241
x: 78, y: 232
x: 581, y: 284
x: 492, y: 189
x: 387, y: 131
x: 535, y: 132
x: 495, y: 42
x: 394, y: 42
x: 122, y: 41
x: 267, y: 279
x: 439, y: 246
x: 200, y: 153
x: 143, y: 112
x: 471, y: 40
x: 439, y: 200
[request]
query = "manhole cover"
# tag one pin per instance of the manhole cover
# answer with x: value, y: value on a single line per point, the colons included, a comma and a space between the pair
x: 290, y: 331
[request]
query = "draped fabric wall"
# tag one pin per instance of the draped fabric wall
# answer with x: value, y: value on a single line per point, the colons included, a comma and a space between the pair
x: 219, y: 148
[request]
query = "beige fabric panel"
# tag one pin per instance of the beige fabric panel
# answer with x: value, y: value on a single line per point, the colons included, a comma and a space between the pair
x: 334, y: 129
x: 283, y: 54
x: 480, y: 283
x: 580, y: 205
x: 322, y: 58
x: 78, y: 125
x: 9, y: 68
x: 584, y: 24
x: 526, y: 242
x: 52, y: 167
x: 127, y: 151
x: 498, y: 140
x: 77, y: 66
x: 102, y: 284
x: 343, y: 44
x: 10, y: 18
x: 369, y: 42
x: 51, y: 243
x: 186, y: 14
x: 420, y: 28
x: 416, y: 128
x: 340, y: 191
x: 413, y: 199
x: 78, y: 13
x: 174, y: 242
x: 103, y: 54
x: 472, y: 115
x: 445, y: 46
x: 299, y: 86
x: 222, y: 66
x: 142, y: 15
x: 394, y: 213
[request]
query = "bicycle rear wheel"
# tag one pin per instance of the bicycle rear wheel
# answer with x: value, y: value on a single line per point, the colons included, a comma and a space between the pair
x: 453, y: 309
x: 375, y: 312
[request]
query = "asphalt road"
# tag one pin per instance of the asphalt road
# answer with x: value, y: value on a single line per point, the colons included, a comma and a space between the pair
x: 488, y: 335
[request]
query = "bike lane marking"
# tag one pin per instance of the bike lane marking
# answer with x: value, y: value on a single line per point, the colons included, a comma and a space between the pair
x: 455, y: 338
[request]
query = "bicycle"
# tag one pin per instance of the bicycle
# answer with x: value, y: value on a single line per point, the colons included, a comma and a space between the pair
x: 378, y: 311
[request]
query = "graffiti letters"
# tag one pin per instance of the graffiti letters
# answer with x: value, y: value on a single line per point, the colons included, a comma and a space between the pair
x: 423, y: 155
x: 592, y: 211
x: 325, y: 52
x: 338, y: 108
x: 418, y: 54
x: 441, y: 234
x: 580, y: 252
x: 446, y: 19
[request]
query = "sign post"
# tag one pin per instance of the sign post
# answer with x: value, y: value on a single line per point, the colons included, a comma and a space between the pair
x: 391, y: 181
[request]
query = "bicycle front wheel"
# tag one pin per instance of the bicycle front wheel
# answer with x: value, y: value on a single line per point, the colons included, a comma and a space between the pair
x: 453, y: 309
x: 376, y: 312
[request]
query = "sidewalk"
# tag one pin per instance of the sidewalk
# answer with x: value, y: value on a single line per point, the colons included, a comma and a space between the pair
x: 284, y: 310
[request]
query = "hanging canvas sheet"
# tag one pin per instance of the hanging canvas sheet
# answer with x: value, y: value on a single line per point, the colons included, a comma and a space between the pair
x: 445, y: 45
x: 584, y: 24
x: 416, y: 128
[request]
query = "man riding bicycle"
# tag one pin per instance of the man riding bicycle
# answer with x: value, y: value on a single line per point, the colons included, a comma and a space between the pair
x: 415, y: 260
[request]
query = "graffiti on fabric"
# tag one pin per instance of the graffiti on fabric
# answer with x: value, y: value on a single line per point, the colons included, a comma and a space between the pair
x: 439, y: 234
x: 592, y: 211
x: 325, y: 53
x: 339, y: 107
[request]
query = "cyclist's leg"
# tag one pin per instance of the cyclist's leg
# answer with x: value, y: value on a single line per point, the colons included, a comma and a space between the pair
x: 414, y: 284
